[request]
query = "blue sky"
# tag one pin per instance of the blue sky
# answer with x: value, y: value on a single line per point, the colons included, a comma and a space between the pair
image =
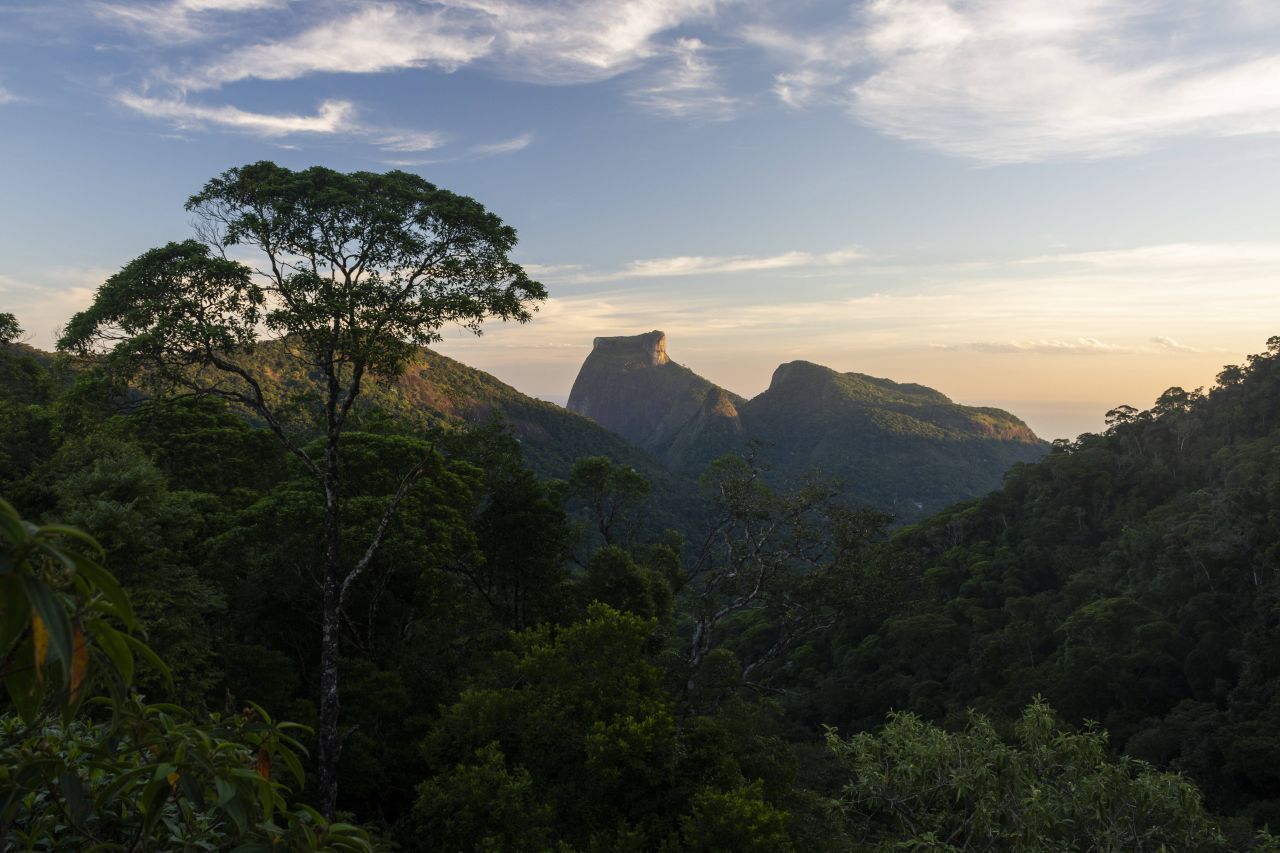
x: 1053, y: 207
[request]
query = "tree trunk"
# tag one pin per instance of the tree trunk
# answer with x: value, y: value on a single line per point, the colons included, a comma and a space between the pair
x: 330, y: 740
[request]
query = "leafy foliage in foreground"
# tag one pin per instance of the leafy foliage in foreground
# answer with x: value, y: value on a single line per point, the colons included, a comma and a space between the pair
x: 115, y: 772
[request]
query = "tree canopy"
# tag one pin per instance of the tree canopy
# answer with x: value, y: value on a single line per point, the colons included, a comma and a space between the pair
x: 351, y: 273
x: 10, y: 331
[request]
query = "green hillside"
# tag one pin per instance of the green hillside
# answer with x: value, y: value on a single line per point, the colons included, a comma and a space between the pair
x: 1132, y: 578
x: 902, y: 447
x: 438, y: 388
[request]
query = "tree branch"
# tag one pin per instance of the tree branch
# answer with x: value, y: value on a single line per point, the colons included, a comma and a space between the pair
x: 406, y: 483
x: 257, y: 403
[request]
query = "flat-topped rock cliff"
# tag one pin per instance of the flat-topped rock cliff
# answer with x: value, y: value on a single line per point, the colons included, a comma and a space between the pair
x: 647, y: 350
x: 903, y: 447
x: 629, y: 385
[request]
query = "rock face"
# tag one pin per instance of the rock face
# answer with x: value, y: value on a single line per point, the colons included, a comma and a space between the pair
x: 902, y: 447
x: 630, y: 386
x: 716, y: 429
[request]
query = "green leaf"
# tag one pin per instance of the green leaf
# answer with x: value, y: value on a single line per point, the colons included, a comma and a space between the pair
x: 45, y: 602
x: 72, y: 532
x: 236, y: 809
x: 22, y: 687
x: 295, y: 766
x: 266, y: 799
x: 15, y: 611
x: 226, y: 791
x: 151, y: 657
x: 154, y: 798
x: 112, y: 643
x: 104, y: 581
x: 192, y: 790
x: 114, y: 788
x: 73, y: 795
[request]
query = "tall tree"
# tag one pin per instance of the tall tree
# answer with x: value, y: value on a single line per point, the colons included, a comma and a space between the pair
x: 10, y: 331
x: 352, y: 272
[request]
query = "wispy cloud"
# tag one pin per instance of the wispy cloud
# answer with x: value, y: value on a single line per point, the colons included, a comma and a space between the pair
x: 1058, y: 309
x: 1170, y: 344
x: 7, y: 97
x: 681, y: 266
x: 1007, y: 81
x: 411, y: 141
x: 688, y: 87
x: 699, y: 265
x: 818, y: 64
x: 546, y: 270
x: 474, y: 152
x: 1079, y: 346
x: 182, y: 19
x: 1076, y: 346
x: 331, y: 117
x: 334, y: 117
x: 997, y: 81
x: 549, y: 42
x: 45, y: 301
x: 577, y: 41
x: 805, y: 87
x: 541, y: 41
x: 506, y: 146
x: 375, y: 38
x: 1175, y: 256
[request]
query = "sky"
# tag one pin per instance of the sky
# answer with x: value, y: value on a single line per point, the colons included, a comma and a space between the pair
x: 1053, y: 207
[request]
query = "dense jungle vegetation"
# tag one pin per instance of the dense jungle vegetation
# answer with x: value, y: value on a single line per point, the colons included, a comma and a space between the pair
x: 1085, y: 659
x: 528, y: 672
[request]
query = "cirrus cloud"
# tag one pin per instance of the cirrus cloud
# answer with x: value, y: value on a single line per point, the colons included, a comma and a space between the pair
x: 331, y: 116
x: 1078, y: 346
x: 373, y: 38
x: 1012, y: 81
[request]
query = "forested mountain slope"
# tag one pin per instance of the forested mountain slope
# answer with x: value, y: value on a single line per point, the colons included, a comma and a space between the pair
x: 902, y: 447
x: 439, y: 392
x: 1132, y: 578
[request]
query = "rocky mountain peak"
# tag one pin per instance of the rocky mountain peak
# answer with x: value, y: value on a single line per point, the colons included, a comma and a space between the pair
x: 629, y: 385
x: 648, y: 349
x: 719, y: 403
x: 794, y: 372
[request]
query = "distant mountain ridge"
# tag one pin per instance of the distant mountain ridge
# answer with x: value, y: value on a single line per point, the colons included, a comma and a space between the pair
x: 900, y: 446
x: 438, y: 391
